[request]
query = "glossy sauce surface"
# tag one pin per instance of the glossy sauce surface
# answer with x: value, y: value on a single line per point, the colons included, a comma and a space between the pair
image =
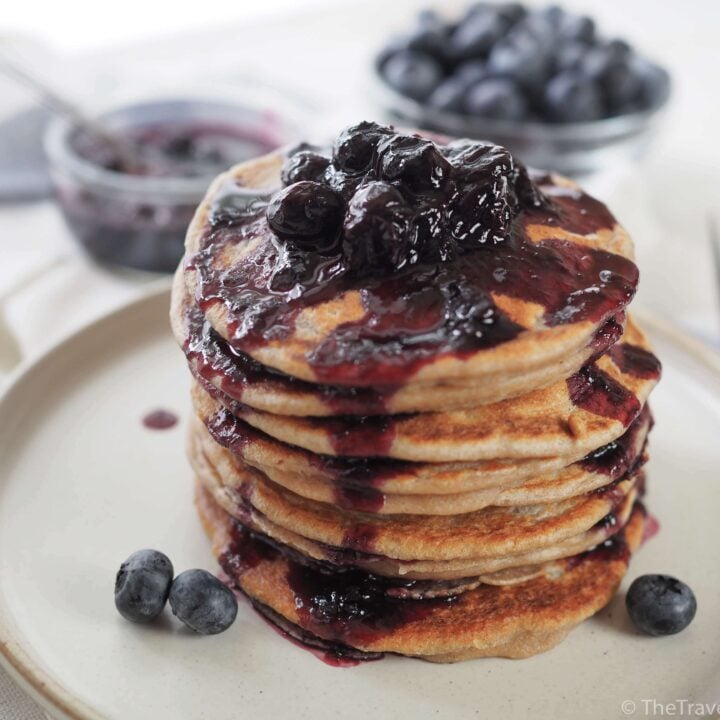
x: 435, y: 295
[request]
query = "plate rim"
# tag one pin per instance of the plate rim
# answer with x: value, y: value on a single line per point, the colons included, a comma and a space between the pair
x: 39, y: 684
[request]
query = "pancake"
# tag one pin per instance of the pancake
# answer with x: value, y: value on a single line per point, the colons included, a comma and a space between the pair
x: 509, y: 621
x: 544, y: 299
x: 604, y: 466
x: 420, y: 405
x: 578, y: 415
x: 243, y: 379
x: 490, y: 532
x: 391, y: 476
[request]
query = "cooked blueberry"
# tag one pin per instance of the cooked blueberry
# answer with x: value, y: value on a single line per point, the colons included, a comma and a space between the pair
x: 375, y: 229
x: 475, y: 35
x: 496, y: 98
x: 660, y: 604
x: 477, y: 161
x: 482, y: 212
x: 303, y: 211
x: 304, y: 165
x: 412, y: 160
x: 202, y: 602
x: 142, y: 585
x: 355, y: 147
x: 449, y: 95
x: 412, y: 73
x: 571, y: 97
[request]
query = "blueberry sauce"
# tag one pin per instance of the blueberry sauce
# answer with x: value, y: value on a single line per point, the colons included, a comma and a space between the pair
x: 182, y: 149
x: 139, y: 229
x: 215, y: 360
x: 428, y: 235
x: 346, y: 606
x: 160, y: 420
x: 636, y: 361
x: 622, y: 456
x: 651, y: 529
x: 593, y: 390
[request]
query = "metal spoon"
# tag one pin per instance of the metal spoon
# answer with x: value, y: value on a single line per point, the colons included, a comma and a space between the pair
x: 51, y: 99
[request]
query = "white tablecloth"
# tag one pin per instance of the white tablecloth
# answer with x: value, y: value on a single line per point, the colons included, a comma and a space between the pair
x: 665, y: 202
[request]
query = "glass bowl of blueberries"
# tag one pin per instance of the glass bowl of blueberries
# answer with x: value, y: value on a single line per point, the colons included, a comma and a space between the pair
x: 542, y: 82
x: 129, y: 196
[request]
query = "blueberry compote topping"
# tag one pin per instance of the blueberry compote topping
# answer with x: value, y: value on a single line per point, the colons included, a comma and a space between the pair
x: 344, y: 604
x: 426, y: 233
x: 623, y: 456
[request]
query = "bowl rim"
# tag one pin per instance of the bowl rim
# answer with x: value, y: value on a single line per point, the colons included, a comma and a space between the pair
x: 63, y: 158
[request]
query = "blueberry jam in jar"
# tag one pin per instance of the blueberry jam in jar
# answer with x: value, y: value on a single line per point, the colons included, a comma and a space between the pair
x: 131, y: 207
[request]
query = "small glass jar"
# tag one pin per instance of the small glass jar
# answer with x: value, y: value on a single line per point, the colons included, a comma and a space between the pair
x: 140, y: 220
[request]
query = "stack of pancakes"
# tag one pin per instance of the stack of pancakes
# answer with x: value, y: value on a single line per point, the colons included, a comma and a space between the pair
x: 442, y: 505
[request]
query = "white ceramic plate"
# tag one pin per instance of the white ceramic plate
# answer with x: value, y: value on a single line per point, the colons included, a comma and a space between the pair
x: 83, y: 484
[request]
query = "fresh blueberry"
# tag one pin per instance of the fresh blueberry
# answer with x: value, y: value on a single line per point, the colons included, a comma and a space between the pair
x: 304, y: 165
x: 610, y: 65
x: 569, y: 55
x: 522, y: 57
x: 142, y: 585
x: 412, y: 73
x: 471, y: 71
x: 496, y: 98
x: 304, y: 211
x: 449, y: 95
x: 202, y: 602
x: 475, y: 35
x: 430, y: 34
x: 654, y: 82
x: 571, y: 97
x: 577, y: 27
x: 660, y: 604
x: 412, y: 160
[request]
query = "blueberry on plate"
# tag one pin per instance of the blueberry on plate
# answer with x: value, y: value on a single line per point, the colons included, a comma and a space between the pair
x: 497, y: 99
x: 660, y: 604
x: 142, y: 585
x: 412, y: 73
x: 572, y: 97
x: 202, y: 602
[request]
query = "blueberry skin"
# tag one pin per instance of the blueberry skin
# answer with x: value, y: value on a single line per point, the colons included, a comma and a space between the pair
x: 142, y: 585
x: 475, y: 35
x: 449, y: 95
x: 202, y: 602
x: 660, y: 604
x: 571, y: 97
x: 412, y: 73
x: 498, y: 99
